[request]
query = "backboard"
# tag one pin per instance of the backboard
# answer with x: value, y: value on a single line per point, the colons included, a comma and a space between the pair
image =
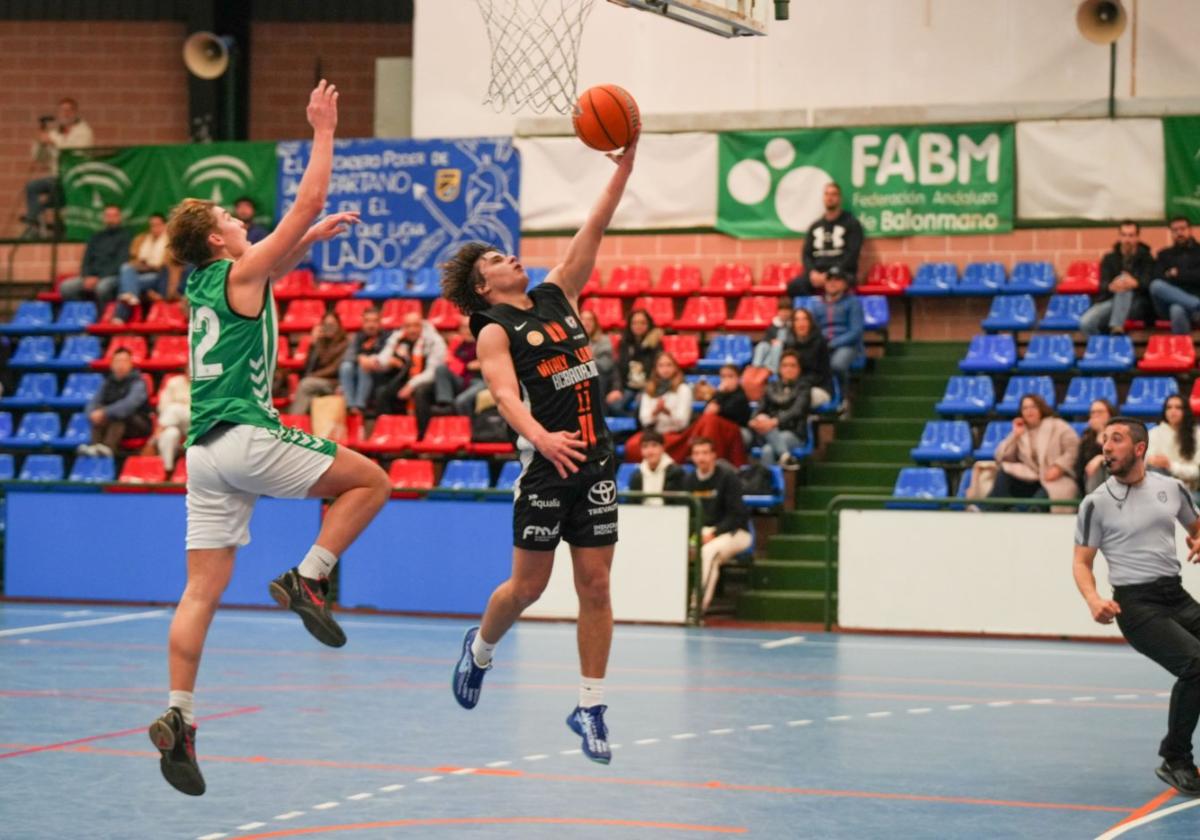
x: 727, y: 18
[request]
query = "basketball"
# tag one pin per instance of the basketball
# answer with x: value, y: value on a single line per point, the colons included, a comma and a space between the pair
x: 606, y: 118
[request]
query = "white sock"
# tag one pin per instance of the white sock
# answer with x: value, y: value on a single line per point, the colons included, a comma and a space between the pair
x: 482, y: 651
x: 318, y: 563
x: 185, y: 703
x: 591, y: 692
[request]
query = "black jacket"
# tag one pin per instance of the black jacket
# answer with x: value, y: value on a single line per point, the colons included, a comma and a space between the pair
x: 735, y: 407
x: 721, y: 495
x: 674, y: 479
x: 814, y: 360
x: 106, y: 250
x: 787, y: 402
x: 1140, y: 266
x: 1185, y: 259
x: 834, y: 243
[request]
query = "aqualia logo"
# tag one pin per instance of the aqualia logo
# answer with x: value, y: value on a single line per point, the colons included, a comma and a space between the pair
x: 217, y: 170
x: 108, y: 183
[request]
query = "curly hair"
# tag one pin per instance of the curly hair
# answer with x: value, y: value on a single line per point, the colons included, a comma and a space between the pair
x: 461, y: 278
x: 188, y: 229
x: 1185, y: 435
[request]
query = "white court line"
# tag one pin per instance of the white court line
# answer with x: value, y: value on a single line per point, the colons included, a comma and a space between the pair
x: 645, y: 741
x: 391, y: 788
x: 778, y: 643
x: 90, y: 622
x: 1149, y: 818
x: 1087, y: 698
x: 430, y: 779
x: 325, y: 806
x: 498, y: 764
x: 250, y: 826
x: 1126, y: 652
x: 358, y: 796
x: 216, y: 836
x: 536, y: 757
x: 799, y: 722
x: 571, y: 752
x: 288, y: 816
x: 1125, y: 696
x: 1041, y: 701
x: 879, y: 714
x: 839, y: 717
x: 998, y: 703
x: 462, y: 771
x: 719, y: 731
x: 958, y: 707
x: 683, y: 736
x: 921, y: 711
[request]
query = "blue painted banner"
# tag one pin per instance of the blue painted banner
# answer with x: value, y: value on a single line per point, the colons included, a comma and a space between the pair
x: 419, y: 199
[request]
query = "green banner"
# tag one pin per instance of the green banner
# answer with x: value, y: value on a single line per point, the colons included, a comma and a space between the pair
x: 898, y: 181
x: 1181, y: 147
x: 153, y: 179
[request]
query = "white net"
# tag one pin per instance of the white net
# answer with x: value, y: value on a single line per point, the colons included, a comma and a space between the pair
x: 535, y: 45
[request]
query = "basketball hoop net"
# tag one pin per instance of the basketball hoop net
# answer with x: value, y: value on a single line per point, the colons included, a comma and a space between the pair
x: 535, y: 45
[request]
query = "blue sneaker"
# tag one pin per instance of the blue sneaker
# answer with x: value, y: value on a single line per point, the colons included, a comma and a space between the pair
x: 467, y: 680
x: 589, y: 724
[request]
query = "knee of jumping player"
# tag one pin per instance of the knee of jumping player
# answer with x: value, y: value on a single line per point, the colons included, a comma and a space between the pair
x: 379, y: 484
x: 527, y: 590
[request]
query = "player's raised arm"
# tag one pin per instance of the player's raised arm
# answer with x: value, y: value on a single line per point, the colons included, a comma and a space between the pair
x: 260, y: 260
x: 575, y: 269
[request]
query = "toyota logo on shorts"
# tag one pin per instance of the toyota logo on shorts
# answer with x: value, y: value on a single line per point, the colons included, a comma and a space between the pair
x: 603, y: 493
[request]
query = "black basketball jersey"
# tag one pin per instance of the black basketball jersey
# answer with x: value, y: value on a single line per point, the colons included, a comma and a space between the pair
x: 553, y: 359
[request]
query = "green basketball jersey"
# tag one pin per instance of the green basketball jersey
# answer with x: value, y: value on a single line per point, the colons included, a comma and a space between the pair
x: 232, y: 356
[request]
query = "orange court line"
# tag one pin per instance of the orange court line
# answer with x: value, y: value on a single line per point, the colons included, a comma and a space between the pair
x: 412, y: 823
x: 1152, y: 805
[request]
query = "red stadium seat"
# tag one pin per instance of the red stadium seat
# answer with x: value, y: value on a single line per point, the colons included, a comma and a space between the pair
x: 135, y: 344
x: 592, y: 286
x: 661, y: 309
x: 729, y: 280
x: 608, y: 312
x: 702, y: 313
x: 106, y: 326
x: 339, y: 290
x: 1082, y: 277
x: 165, y: 316
x: 407, y: 473
x: 775, y: 278
x: 753, y: 313
x: 293, y: 382
x: 444, y: 315
x: 303, y: 422
x: 295, y: 284
x: 55, y: 296
x: 615, y: 338
x: 170, y: 353
x: 1194, y: 399
x: 354, y: 431
x: 628, y: 281
x: 678, y: 281
x: 392, y: 433
x: 391, y: 316
x: 180, y: 473
x: 1168, y: 354
x: 351, y: 313
x: 445, y: 435
x: 685, y: 349
x: 143, y: 469
x: 889, y: 279
x: 302, y: 315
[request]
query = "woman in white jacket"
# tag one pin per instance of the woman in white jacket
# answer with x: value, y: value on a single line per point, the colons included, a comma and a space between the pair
x: 1173, y: 446
x: 665, y: 406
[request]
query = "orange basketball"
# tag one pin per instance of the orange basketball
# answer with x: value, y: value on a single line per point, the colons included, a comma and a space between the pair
x: 606, y: 118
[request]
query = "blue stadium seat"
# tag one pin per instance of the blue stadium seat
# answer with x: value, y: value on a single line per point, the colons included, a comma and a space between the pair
x: 1082, y: 391
x: 94, y: 468
x: 1080, y: 426
x: 42, y: 468
x: 38, y: 429
x: 1048, y: 354
x: 1010, y: 314
x: 78, y: 432
x: 79, y: 388
x: 1064, y: 311
x: 993, y: 433
x: 537, y: 276
x: 806, y: 302
x: 726, y: 350
x: 920, y: 483
x: 1107, y: 354
x: 75, y: 316
x: 1031, y: 278
x: 876, y: 314
x: 34, y: 390
x: 7, y: 467
x: 776, y: 498
x: 624, y: 474
x: 989, y: 354
x: 982, y: 278
x: 934, y: 280
x: 465, y: 475
x: 424, y: 283
x: 77, y: 353
x: 1147, y: 395
x: 944, y: 440
x: 835, y: 400
x: 509, y: 474
x: 33, y: 353
x: 383, y: 283
x: 1019, y: 386
x: 32, y: 317
x: 801, y: 452
x: 621, y: 425
x: 967, y: 395
x: 6, y: 426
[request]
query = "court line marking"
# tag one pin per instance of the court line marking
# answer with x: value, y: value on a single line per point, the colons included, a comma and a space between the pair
x: 358, y: 796
x: 778, y: 643
x: 445, y: 821
x: 289, y: 815
x: 87, y: 622
x: 215, y: 836
x: 391, y: 788
x: 325, y: 806
x: 1121, y: 828
x: 250, y: 826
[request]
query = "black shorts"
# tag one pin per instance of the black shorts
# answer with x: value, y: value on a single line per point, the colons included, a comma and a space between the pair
x: 581, y: 508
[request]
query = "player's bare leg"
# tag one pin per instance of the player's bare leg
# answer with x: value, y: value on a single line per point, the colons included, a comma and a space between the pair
x: 594, y: 634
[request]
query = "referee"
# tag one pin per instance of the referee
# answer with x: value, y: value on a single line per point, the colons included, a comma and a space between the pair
x: 1131, y: 518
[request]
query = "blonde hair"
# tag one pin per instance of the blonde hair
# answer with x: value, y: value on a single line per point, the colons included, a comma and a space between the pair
x: 676, y: 378
x: 188, y: 230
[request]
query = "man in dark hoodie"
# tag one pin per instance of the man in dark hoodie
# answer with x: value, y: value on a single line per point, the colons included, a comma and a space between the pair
x: 1176, y: 292
x: 835, y: 239
x: 1125, y: 274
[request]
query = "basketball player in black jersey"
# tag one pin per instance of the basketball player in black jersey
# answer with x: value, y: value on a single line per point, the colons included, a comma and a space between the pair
x: 538, y: 366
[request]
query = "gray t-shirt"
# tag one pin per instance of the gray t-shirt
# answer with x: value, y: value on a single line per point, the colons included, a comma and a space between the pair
x: 1136, y: 532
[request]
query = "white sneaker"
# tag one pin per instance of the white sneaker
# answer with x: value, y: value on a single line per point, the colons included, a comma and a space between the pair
x: 102, y: 450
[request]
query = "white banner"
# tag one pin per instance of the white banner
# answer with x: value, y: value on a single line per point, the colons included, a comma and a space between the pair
x: 1105, y: 170
x: 674, y: 183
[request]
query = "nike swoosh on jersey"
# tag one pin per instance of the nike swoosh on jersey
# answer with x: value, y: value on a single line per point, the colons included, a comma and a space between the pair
x: 603, y: 462
x: 520, y: 326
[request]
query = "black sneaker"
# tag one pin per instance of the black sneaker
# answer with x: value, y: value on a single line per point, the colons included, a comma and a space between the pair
x: 308, y: 599
x: 1182, y: 776
x: 177, y: 743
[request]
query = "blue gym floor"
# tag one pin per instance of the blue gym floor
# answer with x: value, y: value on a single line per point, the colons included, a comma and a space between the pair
x: 765, y: 734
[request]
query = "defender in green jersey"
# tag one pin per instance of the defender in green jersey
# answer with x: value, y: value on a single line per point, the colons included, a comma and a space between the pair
x: 237, y: 448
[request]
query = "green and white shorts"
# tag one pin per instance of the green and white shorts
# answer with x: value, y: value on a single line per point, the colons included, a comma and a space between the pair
x: 228, y: 472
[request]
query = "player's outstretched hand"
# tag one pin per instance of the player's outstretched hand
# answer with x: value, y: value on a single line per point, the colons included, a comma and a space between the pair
x: 624, y: 158
x: 1103, y: 612
x: 563, y: 449
x: 322, y: 107
x: 333, y: 225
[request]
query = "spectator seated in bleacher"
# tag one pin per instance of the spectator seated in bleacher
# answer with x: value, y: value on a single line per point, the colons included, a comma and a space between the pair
x: 811, y: 348
x: 329, y: 343
x: 839, y: 317
x: 245, y: 210
x: 781, y: 424
x: 1173, y: 448
x: 767, y: 351
x: 174, y: 417
x: 119, y: 409
x: 833, y: 241
x: 411, y: 355
x: 67, y: 130
x: 1090, y: 469
x: 724, y: 419
x: 360, y: 371
x: 657, y: 472
x: 1037, y: 459
x: 640, y: 345
x: 98, y: 275
x: 1176, y: 289
x: 144, y: 276
x: 458, y: 382
x: 726, y: 530
x: 602, y: 349
x: 665, y: 406
x: 1125, y: 274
